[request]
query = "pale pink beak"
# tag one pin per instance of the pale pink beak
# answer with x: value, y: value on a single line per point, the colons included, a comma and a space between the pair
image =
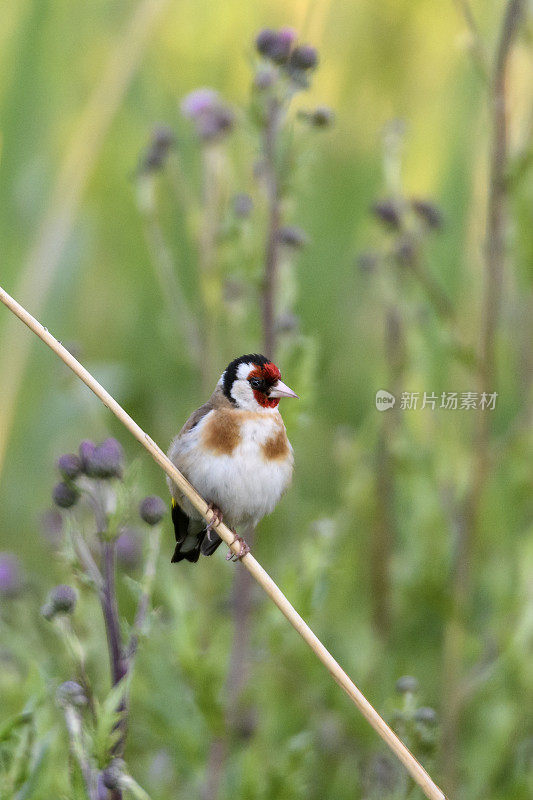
x: 281, y: 390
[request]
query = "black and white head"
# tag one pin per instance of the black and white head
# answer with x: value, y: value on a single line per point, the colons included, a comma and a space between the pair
x: 254, y: 383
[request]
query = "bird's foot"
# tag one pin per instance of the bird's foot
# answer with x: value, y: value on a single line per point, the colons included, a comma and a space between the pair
x: 216, y: 519
x: 231, y: 556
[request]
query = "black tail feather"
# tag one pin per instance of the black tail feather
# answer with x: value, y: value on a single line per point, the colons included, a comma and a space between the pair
x: 190, y: 555
x: 182, y: 529
x: 210, y: 543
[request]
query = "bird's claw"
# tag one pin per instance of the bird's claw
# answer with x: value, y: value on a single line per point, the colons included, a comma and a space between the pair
x: 231, y: 556
x: 216, y: 519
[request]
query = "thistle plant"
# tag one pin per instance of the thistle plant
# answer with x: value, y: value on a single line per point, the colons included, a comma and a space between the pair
x: 95, y: 496
x: 282, y: 70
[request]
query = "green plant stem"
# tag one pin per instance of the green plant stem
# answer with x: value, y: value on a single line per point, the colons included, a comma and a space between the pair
x: 178, y: 310
x: 209, y: 276
x: 78, y: 749
x: 110, y: 611
x: 478, y: 50
x: 146, y: 592
x: 385, y: 531
x: 270, y: 134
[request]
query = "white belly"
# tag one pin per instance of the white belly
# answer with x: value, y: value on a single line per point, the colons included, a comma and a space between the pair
x: 244, y: 485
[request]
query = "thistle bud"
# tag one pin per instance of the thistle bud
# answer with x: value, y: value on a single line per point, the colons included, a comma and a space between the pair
x: 61, y: 600
x: 70, y: 693
x: 406, y: 684
x: 212, y: 118
x: 163, y: 139
x: 274, y: 45
x: 112, y: 774
x: 107, y: 460
x: 428, y: 213
x: 320, y: 117
x: 387, y: 211
x: 65, y: 495
x: 304, y: 57
x: 69, y: 466
x: 265, y: 40
x: 292, y: 236
x: 86, y: 452
x: 152, y: 510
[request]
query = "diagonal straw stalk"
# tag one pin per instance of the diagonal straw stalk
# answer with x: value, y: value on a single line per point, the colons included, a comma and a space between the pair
x: 417, y: 772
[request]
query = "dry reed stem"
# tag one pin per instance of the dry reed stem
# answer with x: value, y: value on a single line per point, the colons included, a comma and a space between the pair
x: 417, y: 772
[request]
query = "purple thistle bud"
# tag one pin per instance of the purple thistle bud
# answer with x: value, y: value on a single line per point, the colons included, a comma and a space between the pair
x: 387, y: 211
x: 407, y: 683
x: 242, y: 205
x: 61, y: 600
x: 213, y: 126
x: 106, y: 461
x: 70, y: 693
x: 292, y: 236
x: 264, y: 41
x: 304, y: 57
x: 86, y: 452
x: 129, y: 549
x: 285, y: 40
x: 112, y: 774
x: 69, y: 466
x: 428, y: 213
x: 10, y: 575
x: 198, y: 102
x: 274, y: 45
x: 212, y: 118
x: 65, y: 495
x: 152, y: 509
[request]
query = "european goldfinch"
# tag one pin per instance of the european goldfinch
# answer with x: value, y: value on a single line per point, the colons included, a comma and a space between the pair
x: 235, y: 451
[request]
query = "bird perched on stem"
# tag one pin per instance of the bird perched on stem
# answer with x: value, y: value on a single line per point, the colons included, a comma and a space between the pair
x: 235, y: 451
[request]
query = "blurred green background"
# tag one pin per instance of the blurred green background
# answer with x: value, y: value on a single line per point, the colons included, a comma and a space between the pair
x: 364, y: 543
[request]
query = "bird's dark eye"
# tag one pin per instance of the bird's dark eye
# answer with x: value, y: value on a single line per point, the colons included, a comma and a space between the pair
x: 255, y: 383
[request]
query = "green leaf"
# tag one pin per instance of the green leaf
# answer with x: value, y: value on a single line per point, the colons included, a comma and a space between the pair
x: 108, y: 717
